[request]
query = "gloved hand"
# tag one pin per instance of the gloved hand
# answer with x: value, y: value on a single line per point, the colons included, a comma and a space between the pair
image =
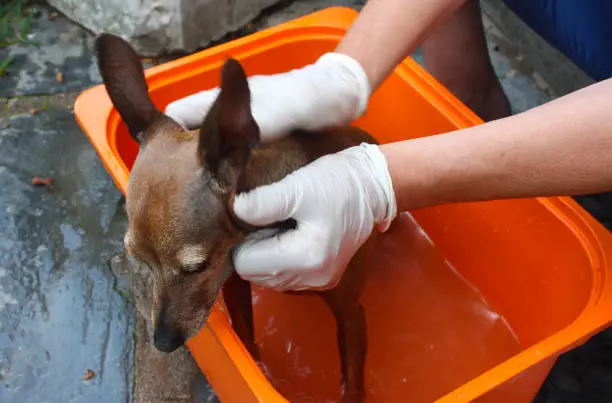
x: 333, y: 90
x: 336, y: 200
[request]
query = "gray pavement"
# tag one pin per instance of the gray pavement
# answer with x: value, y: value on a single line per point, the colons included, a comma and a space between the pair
x: 60, y: 311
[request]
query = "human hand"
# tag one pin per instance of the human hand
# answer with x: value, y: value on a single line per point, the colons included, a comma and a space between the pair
x: 334, y: 90
x: 336, y: 201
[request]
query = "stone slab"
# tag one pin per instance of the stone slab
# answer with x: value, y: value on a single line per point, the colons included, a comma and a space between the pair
x: 156, y: 27
x: 60, y: 311
x: 62, y: 59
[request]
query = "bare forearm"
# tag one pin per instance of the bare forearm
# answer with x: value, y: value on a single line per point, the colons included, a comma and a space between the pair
x: 386, y: 31
x: 561, y: 148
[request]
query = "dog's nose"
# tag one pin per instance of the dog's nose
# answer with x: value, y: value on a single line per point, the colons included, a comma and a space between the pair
x: 166, y: 337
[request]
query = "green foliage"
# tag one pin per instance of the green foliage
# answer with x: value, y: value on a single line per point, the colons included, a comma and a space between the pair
x: 15, y: 25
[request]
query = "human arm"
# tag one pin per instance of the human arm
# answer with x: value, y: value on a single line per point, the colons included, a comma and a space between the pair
x: 337, y: 87
x: 560, y: 148
x: 386, y: 31
x: 563, y: 147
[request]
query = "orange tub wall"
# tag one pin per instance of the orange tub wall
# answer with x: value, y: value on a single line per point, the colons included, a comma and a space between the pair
x: 465, y: 302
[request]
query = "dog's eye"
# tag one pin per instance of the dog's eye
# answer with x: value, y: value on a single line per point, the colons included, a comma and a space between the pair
x: 195, y: 267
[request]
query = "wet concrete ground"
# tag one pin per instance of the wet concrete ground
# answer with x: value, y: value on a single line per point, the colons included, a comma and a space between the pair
x: 65, y: 307
x: 60, y: 311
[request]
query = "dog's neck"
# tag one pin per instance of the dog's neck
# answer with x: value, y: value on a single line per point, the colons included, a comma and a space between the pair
x: 271, y: 162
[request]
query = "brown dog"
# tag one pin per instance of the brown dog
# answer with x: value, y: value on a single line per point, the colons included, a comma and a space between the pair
x: 179, y: 189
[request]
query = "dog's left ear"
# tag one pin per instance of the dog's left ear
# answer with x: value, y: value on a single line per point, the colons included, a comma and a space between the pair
x: 229, y: 131
x: 124, y: 79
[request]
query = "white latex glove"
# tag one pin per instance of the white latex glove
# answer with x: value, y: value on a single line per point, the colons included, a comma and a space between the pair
x: 333, y: 90
x: 336, y: 200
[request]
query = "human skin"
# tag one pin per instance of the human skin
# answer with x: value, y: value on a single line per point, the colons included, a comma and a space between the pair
x: 561, y: 148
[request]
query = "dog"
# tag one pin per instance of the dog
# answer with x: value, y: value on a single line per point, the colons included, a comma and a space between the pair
x: 179, y: 198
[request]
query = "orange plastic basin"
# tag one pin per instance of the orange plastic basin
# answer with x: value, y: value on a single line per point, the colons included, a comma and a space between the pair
x: 467, y: 302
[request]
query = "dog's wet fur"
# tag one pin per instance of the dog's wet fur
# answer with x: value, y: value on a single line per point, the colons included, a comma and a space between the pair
x: 179, y: 190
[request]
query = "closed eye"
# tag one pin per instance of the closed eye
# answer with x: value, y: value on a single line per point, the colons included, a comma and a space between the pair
x: 195, y: 267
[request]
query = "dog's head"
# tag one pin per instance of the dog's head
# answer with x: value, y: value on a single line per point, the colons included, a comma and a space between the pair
x: 179, y: 188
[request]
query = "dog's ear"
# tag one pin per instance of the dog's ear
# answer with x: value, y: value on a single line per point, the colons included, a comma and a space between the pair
x: 123, y: 77
x: 229, y: 131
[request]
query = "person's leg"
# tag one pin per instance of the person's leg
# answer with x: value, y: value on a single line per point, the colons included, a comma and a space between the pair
x: 456, y: 55
x: 581, y: 29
